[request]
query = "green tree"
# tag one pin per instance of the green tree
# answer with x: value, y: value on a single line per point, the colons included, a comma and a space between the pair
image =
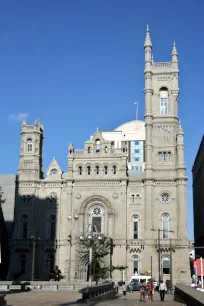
x: 100, y: 249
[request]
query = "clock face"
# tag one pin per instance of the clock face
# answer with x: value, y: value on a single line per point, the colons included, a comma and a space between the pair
x: 164, y: 197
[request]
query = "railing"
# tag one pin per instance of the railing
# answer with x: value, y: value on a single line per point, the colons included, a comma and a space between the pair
x: 20, y: 244
x: 162, y: 65
x: 98, y: 292
x: 115, y: 151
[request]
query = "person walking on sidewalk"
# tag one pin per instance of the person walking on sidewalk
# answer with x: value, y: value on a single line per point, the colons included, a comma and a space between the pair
x: 124, y: 288
x: 162, y: 290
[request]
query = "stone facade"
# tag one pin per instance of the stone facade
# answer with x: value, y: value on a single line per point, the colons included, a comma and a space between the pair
x: 97, y: 189
x: 198, y: 199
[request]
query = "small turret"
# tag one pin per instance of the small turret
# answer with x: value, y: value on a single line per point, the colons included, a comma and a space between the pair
x: 148, y: 42
x: 174, y: 56
x: 148, y: 49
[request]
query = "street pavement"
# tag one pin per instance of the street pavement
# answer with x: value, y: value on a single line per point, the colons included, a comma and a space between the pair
x: 62, y: 298
x: 133, y: 299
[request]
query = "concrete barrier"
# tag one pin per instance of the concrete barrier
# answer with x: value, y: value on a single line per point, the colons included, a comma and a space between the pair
x: 189, y: 296
x: 97, y: 293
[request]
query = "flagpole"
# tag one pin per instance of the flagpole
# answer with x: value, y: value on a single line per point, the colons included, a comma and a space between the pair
x: 136, y: 103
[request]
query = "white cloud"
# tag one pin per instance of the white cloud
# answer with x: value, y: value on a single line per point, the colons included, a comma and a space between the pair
x: 18, y: 117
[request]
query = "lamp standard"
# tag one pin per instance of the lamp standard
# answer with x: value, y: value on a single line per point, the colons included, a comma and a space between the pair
x: 33, y: 257
x: 159, y: 255
x: 70, y: 219
x: 91, y: 239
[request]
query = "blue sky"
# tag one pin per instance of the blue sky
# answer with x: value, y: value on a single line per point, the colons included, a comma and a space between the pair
x: 78, y: 65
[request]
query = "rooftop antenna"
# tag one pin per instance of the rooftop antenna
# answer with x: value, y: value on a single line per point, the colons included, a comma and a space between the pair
x: 136, y: 103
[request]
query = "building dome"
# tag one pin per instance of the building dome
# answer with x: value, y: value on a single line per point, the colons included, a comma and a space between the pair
x: 131, y: 126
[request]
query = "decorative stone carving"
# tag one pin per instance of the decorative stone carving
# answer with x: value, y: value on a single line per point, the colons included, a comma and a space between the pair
x: 78, y: 196
x: 115, y: 195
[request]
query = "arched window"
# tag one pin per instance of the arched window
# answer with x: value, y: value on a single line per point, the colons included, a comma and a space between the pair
x: 106, y: 149
x: 165, y: 225
x: 50, y: 261
x: 23, y: 263
x: 88, y: 170
x: 89, y: 149
x: 97, y: 170
x: 98, y: 145
x: 164, y: 101
x: 97, y: 218
x: 80, y: 170
x: 106, y: 170
x: 52, y: 226
x: 166, y: 265
x: 164, y: 157
x: 135, y: 265
x: 54, y: 172
x: 114, y: 169
x: 135, y: 227
x: 24, y: 220
x: 29, y: 144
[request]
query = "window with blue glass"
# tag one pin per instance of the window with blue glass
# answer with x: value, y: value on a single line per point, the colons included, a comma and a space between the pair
x: 137, y: 151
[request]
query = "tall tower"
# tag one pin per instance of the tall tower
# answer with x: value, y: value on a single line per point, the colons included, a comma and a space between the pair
x: 30, y: 165
x: 165, y: 173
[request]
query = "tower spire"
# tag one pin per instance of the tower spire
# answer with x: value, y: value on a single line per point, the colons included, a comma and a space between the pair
x: 174, y: 54
x: 148, y: 42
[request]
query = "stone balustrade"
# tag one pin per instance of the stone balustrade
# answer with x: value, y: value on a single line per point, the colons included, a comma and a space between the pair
x: 6, y: 286
x: 98, y: 292
x: 187, y: 295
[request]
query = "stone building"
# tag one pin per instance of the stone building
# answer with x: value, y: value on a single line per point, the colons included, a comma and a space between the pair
x: 137, y: 199
x: 198, y: 199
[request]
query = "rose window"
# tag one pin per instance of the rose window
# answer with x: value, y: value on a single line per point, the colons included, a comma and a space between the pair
x: 96, y: 211
x: 164, y: 197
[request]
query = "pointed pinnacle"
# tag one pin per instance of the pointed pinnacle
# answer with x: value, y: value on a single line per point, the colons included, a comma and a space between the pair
x: 148, y: 42
x: 174, y: 51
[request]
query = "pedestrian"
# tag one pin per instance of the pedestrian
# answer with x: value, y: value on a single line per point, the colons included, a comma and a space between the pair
x: 131, y: 287
x: 152, y: 289
x: 162, y: 290
x: 124, y: 288
x: 142, y: 291
x: 149, y: 291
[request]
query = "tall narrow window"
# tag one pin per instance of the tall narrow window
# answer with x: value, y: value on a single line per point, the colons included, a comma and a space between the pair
x: 52, y: 226
x: 98, y: 145
x: 88, y: 170
x: 135, y: 265
x: 114, y: 169
x: 165, y: 226
x: 89, y: 149
x: 97, y: 214
x: 166, y: 265
x: 24, y: 220
x: 106, y: 149
x: 135, y: 227
x: 29, y: 144
x: 164, y: 101
x: 22, y: 263
x: 50, y: 263
x: 106, y: 170
x: 97, y: 170
x: 80, y: 170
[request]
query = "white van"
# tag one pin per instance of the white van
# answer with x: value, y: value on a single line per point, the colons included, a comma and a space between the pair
x: 138, y: 278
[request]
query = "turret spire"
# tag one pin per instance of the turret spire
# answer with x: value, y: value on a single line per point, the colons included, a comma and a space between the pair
x: 148, y: 42
x: 174, y: 54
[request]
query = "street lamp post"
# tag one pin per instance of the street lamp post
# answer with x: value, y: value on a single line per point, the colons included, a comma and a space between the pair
x: 91, y: 238
x: 159, y: 257
x: 70, y: 219
x: 33, y: 257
